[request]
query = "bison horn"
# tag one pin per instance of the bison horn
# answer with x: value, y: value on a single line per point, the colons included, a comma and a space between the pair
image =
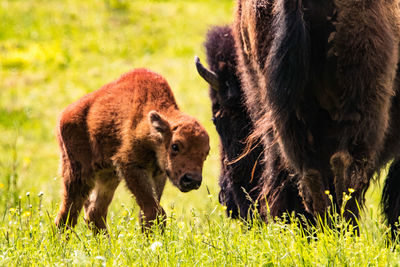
x: 208, y: 75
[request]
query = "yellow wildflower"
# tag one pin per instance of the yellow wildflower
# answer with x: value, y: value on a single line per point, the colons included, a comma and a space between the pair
x: 26, y: 161
x: 26, y: 214
x: 1, y: 185
x: 351, y: 190
x: 327, y: 192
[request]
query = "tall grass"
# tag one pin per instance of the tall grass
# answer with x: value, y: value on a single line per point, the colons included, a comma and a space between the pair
x: 203, y: 238
x: 52, y: 53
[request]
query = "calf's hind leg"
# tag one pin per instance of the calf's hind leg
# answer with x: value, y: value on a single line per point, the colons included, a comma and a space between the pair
x: 96, y: 206
x: 76, y: 170
x: 76, y: 188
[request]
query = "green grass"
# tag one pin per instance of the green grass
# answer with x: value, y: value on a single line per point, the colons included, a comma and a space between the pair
x: 53, y: 52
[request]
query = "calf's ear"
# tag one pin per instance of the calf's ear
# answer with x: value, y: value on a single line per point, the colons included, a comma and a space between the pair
x: 158, y: 124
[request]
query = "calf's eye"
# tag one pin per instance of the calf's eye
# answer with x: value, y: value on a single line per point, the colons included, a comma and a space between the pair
x: 175, y: 147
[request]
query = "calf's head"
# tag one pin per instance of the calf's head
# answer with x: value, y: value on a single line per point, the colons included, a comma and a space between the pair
x: 182, y: 150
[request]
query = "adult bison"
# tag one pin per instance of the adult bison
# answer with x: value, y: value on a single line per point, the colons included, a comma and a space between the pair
x: 243, y: 181
x: 131, y: 130
x: 239, y: 179
x: 322, y: 76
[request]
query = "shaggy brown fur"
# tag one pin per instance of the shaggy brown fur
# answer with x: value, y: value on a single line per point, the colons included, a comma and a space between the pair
x: 321, y: 74
x: 132, y: 130
x: 241, y: 181
x: 391, y: 151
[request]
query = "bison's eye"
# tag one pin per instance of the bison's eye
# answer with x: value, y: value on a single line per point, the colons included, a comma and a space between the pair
x: 175, y: 148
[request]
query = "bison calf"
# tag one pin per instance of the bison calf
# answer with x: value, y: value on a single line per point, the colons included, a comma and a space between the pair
x: 132, y: 130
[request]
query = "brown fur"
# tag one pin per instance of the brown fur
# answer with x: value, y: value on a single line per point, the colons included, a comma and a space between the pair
x: 321, y: 75
x: 257, y: 176
x: 127, y: 130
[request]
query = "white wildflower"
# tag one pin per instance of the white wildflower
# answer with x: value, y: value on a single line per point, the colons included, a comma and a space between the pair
x: 155, y: 245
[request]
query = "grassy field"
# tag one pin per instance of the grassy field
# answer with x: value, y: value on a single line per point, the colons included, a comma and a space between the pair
x: 53, y: 52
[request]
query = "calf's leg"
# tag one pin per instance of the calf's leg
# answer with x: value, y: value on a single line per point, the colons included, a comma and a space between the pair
x: 159, y: 183
x: 96, y: 206
x: 143, y: 188
x: 76, y: 188
x: 76, y: 170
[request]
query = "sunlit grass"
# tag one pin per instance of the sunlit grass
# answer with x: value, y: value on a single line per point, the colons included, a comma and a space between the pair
x: 204, y: 237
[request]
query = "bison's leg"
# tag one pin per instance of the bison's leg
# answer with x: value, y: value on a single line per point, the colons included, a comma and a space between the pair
x: 340, y: 163
x: 227, y: 197
x: 75, y: 191
x: 297, y: 145
x: 357, y: 180
x: 391, y: 196
x: 312, y: 190
x: 349, y: 175
x: 96, y: 206
x: 143, y: 188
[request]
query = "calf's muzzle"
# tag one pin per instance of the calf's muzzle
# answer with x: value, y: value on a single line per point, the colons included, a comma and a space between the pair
x: 190, y: 181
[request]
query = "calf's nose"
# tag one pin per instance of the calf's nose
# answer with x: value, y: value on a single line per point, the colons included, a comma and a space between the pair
x: 191, y: 181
